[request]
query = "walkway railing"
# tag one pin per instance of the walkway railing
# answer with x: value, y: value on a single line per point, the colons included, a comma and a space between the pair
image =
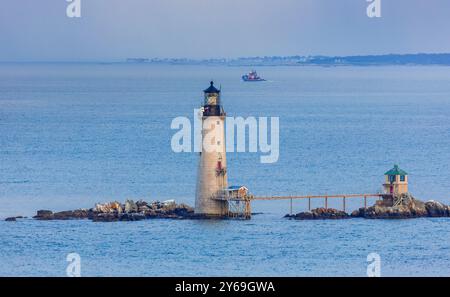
x: 325, y: 197
x: 248, y: 198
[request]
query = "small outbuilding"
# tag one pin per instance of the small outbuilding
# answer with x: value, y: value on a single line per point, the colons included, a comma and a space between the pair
x: 236, y: 191
x: 396, y: 181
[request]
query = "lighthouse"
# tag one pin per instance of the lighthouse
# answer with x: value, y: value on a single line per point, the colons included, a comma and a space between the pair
x: 212, y: 168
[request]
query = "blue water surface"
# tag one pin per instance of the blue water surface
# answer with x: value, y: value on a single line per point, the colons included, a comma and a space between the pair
x: 75, y: 134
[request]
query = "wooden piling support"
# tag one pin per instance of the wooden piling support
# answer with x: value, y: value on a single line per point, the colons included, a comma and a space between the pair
x: 343, y: 201
x: 326, y: 202
x: 365, y: 201
x: 309, y: 203
x: 291, y: 206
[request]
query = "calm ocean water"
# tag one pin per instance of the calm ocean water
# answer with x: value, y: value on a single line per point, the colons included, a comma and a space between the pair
x: 72, y: 135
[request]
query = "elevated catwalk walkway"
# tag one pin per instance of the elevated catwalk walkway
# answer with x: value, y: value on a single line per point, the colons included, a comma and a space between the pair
x: 240, y: 206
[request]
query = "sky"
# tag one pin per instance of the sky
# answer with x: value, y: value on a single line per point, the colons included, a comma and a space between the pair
x: 39, y: 30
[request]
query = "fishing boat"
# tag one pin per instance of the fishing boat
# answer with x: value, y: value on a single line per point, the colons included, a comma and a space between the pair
x: 252, y: 76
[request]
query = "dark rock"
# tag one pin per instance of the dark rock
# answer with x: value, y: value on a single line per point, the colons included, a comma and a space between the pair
x: 132, y: 217
x: 329, y: 213
x: 379, y: 212
x: 320, y: 214
x: 150, y: 214
x: 358, y: 213
x: 156, y: 205
x: 436, y: 209
x: 63, y: 215
x: 143, y: 208
x: 182, y: 210
x: 304, y: 216
x: 142, y: 204
x: 13, y: 219
x: 44, y: 215
x: 105, y: 217
x: 72, y: 214
x: 418, y: 208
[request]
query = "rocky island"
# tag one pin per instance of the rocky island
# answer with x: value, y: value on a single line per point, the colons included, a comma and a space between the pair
x: 129, y: 211
x: 403, y: 206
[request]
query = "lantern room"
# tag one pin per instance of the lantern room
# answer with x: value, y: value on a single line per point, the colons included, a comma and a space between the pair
x: 212, y: 105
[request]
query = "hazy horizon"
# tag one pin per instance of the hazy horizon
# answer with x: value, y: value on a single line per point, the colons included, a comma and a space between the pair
x: 124, y: 59
x: 113, y: 30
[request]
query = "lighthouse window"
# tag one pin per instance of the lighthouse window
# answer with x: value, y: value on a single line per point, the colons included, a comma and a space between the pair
x: 212, y: 100
x: 391, y: 178
x: 218, y: 123
x: 402, y: 178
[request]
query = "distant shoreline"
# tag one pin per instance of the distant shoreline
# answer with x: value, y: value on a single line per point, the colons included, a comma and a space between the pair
x: 327, y: 61
x: 420, y: 59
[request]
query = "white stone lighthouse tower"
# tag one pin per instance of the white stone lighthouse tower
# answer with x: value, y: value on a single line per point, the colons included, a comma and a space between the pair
x: 212, y: 170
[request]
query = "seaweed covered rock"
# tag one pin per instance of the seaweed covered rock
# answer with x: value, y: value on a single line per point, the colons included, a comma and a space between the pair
x: 183, y: 210
x: 132, y: 217
x: 13, y: 219
x: 73, y: 214
x: 320, y: 214
x: 114, y: 217
x: 44, y: 215
x: 63, y: 215
x: 105, y: 217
